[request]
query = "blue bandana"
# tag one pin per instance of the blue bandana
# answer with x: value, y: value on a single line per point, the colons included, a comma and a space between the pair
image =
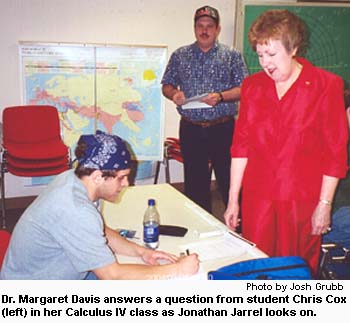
x: 104, y: 152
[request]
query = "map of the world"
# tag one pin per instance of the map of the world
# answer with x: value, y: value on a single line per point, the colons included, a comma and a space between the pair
x: 115, y: 89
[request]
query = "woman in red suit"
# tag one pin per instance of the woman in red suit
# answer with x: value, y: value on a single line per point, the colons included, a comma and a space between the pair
x: 289, y: 145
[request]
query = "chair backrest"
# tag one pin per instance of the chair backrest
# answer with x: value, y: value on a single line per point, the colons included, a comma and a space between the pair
x: 31, y: 123
x: 4, y: 242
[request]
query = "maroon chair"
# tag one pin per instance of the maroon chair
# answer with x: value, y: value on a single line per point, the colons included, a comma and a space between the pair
x: 172, y: 150
x: 32, y: 145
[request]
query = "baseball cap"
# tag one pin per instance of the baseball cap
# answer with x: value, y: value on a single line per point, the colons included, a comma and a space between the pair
x: 104, y: 152
x: 207, y: 11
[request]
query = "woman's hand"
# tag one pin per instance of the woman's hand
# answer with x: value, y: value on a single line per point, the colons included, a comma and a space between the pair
x: 321, y: 219
x: 231, y: 215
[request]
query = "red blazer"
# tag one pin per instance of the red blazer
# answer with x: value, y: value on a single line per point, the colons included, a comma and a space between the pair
x: 291, y: 143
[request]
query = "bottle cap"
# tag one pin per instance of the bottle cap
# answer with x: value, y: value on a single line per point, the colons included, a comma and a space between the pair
x: 151, y: 202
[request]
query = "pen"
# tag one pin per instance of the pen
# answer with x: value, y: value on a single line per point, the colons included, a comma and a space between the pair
x: 241, y: 238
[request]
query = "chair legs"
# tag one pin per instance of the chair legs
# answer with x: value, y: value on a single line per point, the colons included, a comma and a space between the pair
x: 166, y: 168
x: 171, y: 151
x: 167, y: 171
x: 3, y: 206
x: 156, y: 176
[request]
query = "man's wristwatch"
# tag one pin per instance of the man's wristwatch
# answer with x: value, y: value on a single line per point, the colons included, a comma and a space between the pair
x: 221, y: 97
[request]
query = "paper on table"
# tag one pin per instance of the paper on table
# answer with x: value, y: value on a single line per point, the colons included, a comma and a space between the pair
x: 195, y: 102
x: 200, y: 275
x: 218, y: 247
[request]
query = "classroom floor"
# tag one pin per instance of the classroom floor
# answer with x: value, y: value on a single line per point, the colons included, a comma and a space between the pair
x: 12, y: 215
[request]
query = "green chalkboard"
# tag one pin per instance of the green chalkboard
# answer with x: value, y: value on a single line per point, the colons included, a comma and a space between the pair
x: 329, y: 28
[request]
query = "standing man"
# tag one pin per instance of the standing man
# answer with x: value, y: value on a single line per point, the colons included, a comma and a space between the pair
x: 213, y: 69
x: 61, y: 235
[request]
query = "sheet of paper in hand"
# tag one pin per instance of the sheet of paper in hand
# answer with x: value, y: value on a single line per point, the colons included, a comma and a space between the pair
x: 195, y: 102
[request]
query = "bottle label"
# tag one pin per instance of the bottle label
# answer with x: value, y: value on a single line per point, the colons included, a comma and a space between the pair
x: 150, y: 233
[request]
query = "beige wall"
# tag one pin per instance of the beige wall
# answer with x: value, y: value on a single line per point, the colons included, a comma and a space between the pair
x: 148, y: 22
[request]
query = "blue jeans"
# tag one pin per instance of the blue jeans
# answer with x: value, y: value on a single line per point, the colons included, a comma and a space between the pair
x: 340, y: 232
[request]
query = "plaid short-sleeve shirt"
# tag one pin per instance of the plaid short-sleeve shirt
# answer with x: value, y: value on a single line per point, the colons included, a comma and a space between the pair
x: 196, y: 72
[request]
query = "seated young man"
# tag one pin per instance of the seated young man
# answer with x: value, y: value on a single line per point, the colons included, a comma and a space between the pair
x: 61, y: 235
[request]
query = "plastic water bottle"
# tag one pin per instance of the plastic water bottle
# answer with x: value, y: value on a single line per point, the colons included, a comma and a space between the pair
x: 151, y: 225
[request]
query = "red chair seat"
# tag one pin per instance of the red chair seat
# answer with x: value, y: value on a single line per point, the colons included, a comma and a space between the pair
x: 35, y: 163
x: 37, y: 172
x: 46, y: 150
